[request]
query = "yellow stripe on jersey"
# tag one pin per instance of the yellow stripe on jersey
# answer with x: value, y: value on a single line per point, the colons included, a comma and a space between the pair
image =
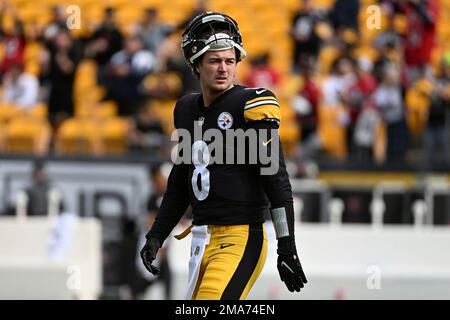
x: 260, y: 98
x: 261, y: 112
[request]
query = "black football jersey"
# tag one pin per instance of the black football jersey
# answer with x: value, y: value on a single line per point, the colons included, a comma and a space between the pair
x: 233, y: 193
x: 221, y: 193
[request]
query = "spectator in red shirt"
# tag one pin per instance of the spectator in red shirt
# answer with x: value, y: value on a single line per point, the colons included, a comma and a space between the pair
x: 420, y: 38
x: 305, y: 103
x: 14, y: 41
x: 261, y: 73
x: 364, y: 85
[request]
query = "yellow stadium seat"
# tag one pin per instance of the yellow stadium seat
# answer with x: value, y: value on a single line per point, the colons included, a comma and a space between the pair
x: 27, y: 135
x: 128, y: 14
x: 32, y: 50
x: 368, y: 52
x: 287, y: 114
x: 7, y: 112
x: 89, y: 97
x: 78, y: 136
x: 325, y: 4
x: 291, y: 86
x: 2, y: 51
x: 417, y: 102
x: 166, y: 83
x: 86, y: 76
x: 105, y: 110
x: 324, y: 30
x: 2, y: 138
x: 332, y: 135
x: 290, y: 137
x: 326, y: 58
x: 379, y: 147
x: 400, y: 23
x: 163, y: 111
x: 38, y: 112
x: 114, y: 135
x: 32, y: 67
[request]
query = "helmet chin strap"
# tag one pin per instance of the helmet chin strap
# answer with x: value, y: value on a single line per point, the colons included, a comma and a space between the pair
x: 198, y: 54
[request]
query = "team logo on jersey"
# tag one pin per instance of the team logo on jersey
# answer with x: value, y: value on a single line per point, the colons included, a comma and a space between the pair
x: 225, y: 120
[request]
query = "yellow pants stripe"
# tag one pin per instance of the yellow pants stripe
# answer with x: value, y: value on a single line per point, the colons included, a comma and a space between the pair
x: 257, y: 271
x: 232, y: 262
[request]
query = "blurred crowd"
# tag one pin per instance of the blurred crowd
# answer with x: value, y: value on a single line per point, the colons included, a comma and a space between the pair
x: 380, y: 100
x: 359, y: 87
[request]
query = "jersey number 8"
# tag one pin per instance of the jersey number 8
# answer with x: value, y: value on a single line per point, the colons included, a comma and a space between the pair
x: 200, y: 159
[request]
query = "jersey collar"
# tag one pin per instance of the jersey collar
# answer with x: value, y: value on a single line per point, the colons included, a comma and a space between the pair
x: 217, y: 100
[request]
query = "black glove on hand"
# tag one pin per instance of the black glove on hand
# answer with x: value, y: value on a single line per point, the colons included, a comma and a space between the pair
x: 289, y: 267
x: 148, y: 254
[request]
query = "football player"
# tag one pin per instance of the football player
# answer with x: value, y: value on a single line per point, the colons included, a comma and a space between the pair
x: 228, y: 200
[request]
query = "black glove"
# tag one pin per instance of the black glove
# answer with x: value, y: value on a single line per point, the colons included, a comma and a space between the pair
x: 148, y: 254
x: 289, y: 267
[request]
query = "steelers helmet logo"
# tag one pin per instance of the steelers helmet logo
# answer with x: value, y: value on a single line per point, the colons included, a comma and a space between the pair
x: 194, y: 49
x: 225, y: 120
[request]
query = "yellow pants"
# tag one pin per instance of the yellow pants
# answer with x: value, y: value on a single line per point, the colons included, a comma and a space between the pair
x: 231, y: 263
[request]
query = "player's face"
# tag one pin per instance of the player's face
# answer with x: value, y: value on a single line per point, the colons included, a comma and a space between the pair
x: 217, y: 70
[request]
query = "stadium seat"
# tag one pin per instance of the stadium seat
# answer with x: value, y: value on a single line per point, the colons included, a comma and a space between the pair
x: 26, y: 134
x: 2, y: 51
x: 39, y: 111
x: 326, y: 58
x: 85, y: 76
x: 368, y: 52
x: 32, y: 52
x: 163, y: 110
x: 164, y: 83
x: 379, y: 147
x: 105, y: 110
x: 85, y: 103
x: 291, y: 86
x: 332, y: 135
x: 78, y: 136
x: 113, y: 134
x: 324, y: 30
x: 417, y: 102
x: 7, y: 112
x: 290, y: 129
